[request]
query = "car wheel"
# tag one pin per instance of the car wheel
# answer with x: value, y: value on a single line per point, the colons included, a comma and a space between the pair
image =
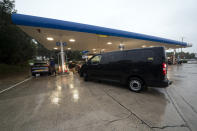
x: 135, y: 84
x: 85, y: 76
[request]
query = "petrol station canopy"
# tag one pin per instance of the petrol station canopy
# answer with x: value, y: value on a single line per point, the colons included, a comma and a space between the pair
x: 86, y: 37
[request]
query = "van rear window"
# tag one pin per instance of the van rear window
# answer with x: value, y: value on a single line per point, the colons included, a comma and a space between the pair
x: 140, y: 55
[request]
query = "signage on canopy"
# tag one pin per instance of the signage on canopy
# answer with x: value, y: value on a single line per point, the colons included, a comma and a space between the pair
x: 58, y: 44
x: 84, y: 56
x: 121, y: 47
x: 64, y: 44
x: 85, y: 52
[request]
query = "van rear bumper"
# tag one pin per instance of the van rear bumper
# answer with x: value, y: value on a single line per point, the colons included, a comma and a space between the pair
x: 161, y: 84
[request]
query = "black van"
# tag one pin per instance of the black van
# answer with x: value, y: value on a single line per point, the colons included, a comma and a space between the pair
x: 138, y: 68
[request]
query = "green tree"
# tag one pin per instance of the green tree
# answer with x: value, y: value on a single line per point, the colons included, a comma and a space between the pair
x: 74, y: 55
x: 15, y: 46
x: 183, y: 55
x: 7, y: 6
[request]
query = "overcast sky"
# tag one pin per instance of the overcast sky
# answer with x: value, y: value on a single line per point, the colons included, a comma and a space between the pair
x: 171, y: 19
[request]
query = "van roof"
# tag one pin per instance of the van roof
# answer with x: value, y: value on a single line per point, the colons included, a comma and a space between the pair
x: 147, y: 48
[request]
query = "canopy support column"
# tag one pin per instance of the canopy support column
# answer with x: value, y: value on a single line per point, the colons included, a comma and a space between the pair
x: 62, y: 55
x: 174, y: 57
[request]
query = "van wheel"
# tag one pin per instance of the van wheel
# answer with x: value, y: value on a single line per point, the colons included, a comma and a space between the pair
x: 85, y: 76
x: 135, y: 84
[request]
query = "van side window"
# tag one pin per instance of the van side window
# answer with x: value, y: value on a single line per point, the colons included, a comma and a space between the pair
x: 116, y: 56
x: 96, y: 59
x: 112, y: 57
x: 106, y: 58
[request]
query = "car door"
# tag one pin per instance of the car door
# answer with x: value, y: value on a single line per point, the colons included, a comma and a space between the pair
x: 94, y: 66
x: 112, y: 70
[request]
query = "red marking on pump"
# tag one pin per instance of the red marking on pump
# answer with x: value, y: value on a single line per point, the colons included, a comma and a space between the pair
x: 59, y: 69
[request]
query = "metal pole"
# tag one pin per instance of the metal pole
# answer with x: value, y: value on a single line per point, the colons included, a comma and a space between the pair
x: 62, y: 55
x: 174, y: 57
x: 182, y: 39
x: 66, y: 61
x: 182, y: 50
x: 58, y: 63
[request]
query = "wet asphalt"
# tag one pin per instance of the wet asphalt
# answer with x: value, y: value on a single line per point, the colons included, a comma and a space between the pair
x: 59, y: 103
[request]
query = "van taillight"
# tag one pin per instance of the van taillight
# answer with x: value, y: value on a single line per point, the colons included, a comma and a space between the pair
x: 164, y: 68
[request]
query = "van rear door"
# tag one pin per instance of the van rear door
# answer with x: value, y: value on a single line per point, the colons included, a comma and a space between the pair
x: 160, y: 62
x: 140, y: 62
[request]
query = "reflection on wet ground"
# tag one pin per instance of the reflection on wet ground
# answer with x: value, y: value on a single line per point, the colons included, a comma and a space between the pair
x: 69, y: 103
x: 11, y: 79
x: 183, y: 92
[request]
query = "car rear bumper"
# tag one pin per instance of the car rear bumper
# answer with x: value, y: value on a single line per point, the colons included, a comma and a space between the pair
x: 161, y: 84
x: 166, y: 83
x: 39, y: 71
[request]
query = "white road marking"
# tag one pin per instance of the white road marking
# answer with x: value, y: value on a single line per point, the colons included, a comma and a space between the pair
x: 15, y: 85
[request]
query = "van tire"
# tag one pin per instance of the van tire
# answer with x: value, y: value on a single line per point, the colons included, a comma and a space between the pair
x: 136, y: 84
x: 85, y: 76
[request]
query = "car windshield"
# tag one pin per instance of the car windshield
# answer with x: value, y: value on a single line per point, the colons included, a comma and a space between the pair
x: 96, y: 59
